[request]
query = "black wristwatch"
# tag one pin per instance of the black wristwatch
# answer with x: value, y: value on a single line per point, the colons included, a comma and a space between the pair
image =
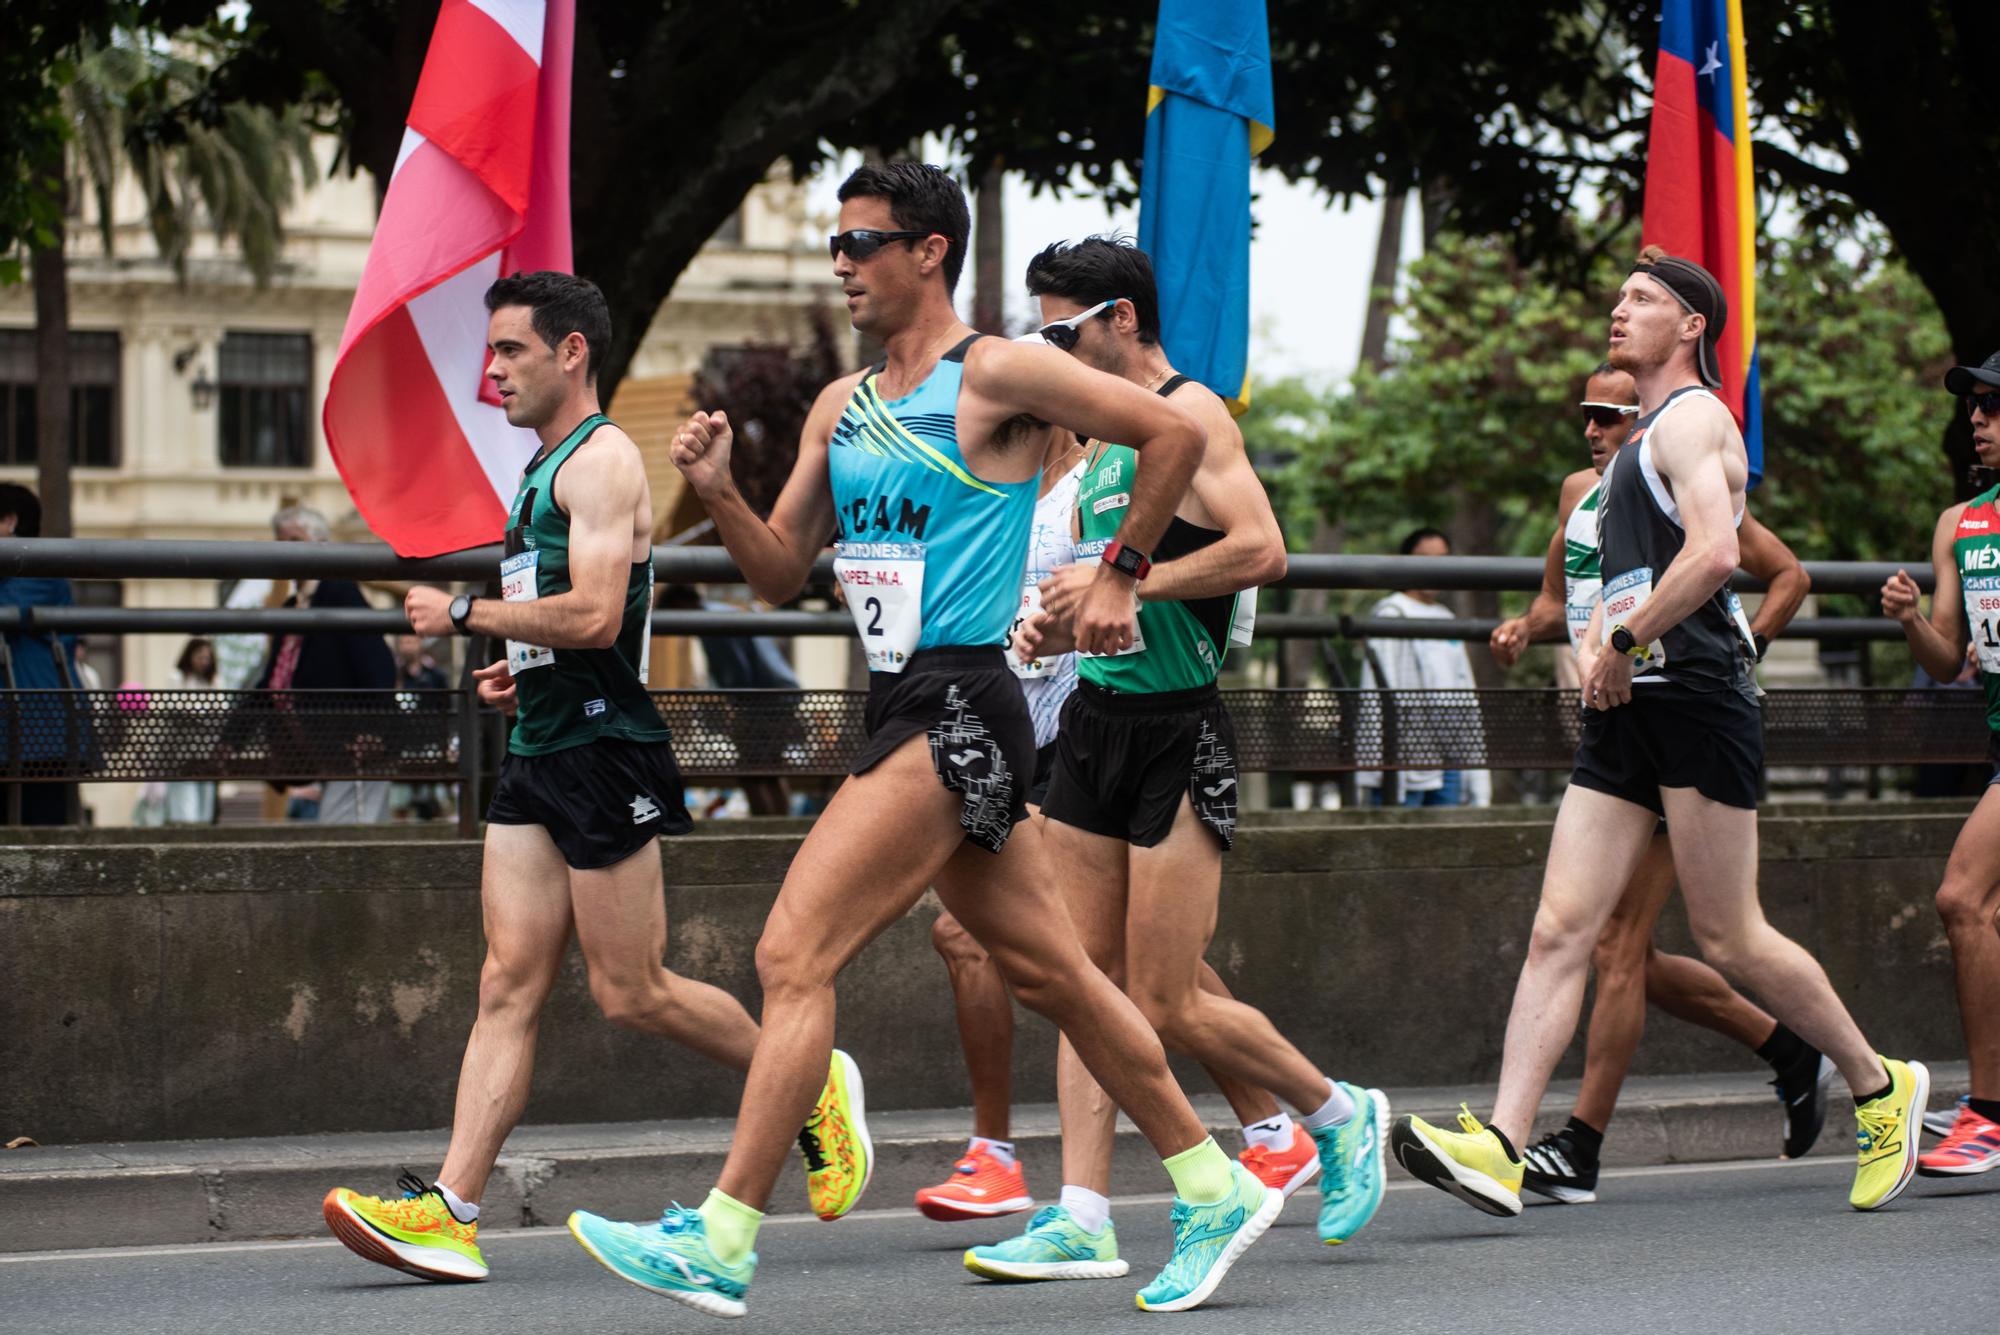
x: 1622, y: 641
x: 461, y: 608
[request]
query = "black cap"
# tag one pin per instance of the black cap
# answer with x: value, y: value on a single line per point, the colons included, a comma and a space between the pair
x: 1968, y: 379
x: 1699, y: 294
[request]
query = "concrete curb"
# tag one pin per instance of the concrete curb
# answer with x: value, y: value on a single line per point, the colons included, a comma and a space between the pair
x: 217, y: 1191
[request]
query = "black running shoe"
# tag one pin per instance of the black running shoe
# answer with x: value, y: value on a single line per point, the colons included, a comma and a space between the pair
x: 1558, y: 1170
x: 1802, y: 1089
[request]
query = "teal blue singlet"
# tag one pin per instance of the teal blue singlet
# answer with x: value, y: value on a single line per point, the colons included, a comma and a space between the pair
x: 898, y: 478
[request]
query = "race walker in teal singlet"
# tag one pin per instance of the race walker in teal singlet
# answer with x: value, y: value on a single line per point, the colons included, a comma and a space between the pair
x: 929, y: 559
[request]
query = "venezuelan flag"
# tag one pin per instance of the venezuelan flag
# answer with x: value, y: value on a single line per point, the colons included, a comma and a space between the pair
x: 1208, y: 113
x: 1701, y: 201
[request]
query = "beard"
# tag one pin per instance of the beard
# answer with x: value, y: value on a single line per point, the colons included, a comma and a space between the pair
x: 1639, y: 353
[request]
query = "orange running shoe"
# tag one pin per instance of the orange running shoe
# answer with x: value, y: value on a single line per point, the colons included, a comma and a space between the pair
x: 980, y: 1186
x: 1284, y: 1170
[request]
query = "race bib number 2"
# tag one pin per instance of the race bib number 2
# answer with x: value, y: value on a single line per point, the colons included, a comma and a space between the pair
x: 1982, y: 615
x: 1624, y: 595
x: 518, y: 585
x: 883, y: 583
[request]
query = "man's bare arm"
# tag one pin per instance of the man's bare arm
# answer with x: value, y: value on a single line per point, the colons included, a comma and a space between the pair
x: 1690, y: 457
x: 1938, y: 643
x: 1765, y: 555
x: 1547, y: 617
x: 602, y: 487
x: 1251, y: 551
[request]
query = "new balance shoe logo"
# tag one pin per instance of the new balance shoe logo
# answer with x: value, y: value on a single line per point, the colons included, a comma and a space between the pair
x: 644, y: 809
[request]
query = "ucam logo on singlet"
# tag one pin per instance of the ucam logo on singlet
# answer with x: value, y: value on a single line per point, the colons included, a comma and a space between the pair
x: 887, y: 514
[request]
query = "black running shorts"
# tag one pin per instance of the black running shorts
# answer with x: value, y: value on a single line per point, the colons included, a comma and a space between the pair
x: 1045, y: 770
x: 601, y: 802
x: 1993, y: 756
x: 982, y: 740
x: 1673, y: 737
x: 1125, y: 760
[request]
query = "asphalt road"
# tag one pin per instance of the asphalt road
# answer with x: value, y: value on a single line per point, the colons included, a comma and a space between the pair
x: 1718, y: 1248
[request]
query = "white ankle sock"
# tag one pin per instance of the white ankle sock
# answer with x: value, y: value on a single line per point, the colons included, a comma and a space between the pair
x: 1001, y: 1150
x: 1337, y: 1109
x: 1273, y: 1133
x: 1090, y: 1211
x: 464, y: 1212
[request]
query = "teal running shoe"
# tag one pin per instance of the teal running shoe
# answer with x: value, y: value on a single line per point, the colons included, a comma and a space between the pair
x: 671, y: 1258
x: 1054, y: 1247
x: 1351, y: 1174
x: 1207, y: 1241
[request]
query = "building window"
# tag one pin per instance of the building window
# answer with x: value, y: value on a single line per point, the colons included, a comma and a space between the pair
x: 93, y: 397
x: 266, y: 382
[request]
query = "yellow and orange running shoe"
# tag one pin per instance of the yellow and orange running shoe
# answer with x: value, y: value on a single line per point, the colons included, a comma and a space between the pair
x: 834, y: 1144
x: 414, y: 1233
x: 980, y: 1187
x: 1284, y: 1170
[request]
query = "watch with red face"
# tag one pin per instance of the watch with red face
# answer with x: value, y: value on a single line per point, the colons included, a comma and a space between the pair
x: 1127, y: 559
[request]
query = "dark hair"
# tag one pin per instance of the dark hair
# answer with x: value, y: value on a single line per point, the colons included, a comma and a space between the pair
x: 185, y: 663
x: 1604, y: 368
x: 1099, y: 268
x: 25, y: 506
x: 1418, y: 535
x: 562, y: 304
x: 921, y: 198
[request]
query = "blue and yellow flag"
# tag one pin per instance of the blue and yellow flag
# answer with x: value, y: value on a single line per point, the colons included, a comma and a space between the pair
x: 1208, y: 113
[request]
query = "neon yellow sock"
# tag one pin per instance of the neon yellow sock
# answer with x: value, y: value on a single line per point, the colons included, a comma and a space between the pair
x: 731, y: 1226
x: 1201, y: 1175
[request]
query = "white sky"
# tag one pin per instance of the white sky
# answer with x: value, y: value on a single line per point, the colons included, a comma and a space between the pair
x: 1309, y: 264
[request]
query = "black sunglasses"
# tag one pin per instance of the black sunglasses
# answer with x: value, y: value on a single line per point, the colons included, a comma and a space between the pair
x: 1986, y: 402
x: 862, y: 242
x: 1606, y: 416
x: 1064, y: 333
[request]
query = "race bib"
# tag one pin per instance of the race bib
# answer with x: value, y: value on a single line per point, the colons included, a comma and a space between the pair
x: 884, y: 586
x: 1090, y: 555
x: 1577, y: 606
x: 1031, y: 603
x: 1982, y: 614
x: 1243, y: 626
x: 1624, y: 595
x: 518, y: 584
x: 1742, y: 623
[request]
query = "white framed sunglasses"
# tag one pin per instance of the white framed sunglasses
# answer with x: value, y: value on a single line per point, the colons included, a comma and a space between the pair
x: 1064, y: 333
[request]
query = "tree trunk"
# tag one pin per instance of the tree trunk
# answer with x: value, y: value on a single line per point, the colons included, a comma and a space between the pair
x: 989, y: 254
x: 1382, y: 284
x: 52, y: 428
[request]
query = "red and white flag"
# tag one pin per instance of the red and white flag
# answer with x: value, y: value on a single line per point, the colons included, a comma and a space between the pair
x: 481, y: 189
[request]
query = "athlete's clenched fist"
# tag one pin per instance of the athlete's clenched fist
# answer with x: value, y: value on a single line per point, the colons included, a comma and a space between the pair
x: 1899, y: 596
x: 700, y: 449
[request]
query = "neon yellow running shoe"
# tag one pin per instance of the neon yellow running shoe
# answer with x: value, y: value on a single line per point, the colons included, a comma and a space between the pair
x: 414, y: 1233
x: 1888, y: 1132
x: 1469, y: 1163
x: 839, y: 1156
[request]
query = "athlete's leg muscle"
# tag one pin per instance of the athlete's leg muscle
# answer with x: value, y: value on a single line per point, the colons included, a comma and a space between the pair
x: 985, y: 1013
x: 1715, y: 852
x: 1968, y: 902
x: 1694, y: 993
x: 524, y: 899
x: 1250, y: 1103
x: 621, y: 924
x: 1092, y: 883
x: 1596, y: 847
x: 856, y: 873
x: 1618, y: 1010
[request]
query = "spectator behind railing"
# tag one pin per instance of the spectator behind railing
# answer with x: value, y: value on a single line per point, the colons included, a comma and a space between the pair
x: 323, y: 660
x: 44, y: 727
x: 193, y: 803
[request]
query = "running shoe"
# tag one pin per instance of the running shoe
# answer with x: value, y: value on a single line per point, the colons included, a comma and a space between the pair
x: 1054, y: 1247
x: 1557, y: 1169
x: 1887, y: 1135
x: 1208, y: 1239
x: 838, y: 1155
x: 1972, y: 1147
x: 980, y: 1187
x: 1802, y: 1089
x: 1945, y: 1120
x: 1469, y: 1163
x: 1284, y: 1170
x: 1351, y: 1172
x: 670, y: 1258
x: 414, y: 1232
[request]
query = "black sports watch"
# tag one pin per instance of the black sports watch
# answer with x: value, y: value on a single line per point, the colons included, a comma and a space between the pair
x: 1622, y: 641
x: 461, y: 608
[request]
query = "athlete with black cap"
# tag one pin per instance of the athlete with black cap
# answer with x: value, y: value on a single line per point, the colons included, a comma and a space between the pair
x: 1671, y: 728
x: 1965, y: 610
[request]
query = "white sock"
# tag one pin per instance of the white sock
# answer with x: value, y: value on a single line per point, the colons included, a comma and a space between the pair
x: 1337, y: 1109
x: 1090, y: 1211
x: 462, y: 1211
x: 1273, y: 1134
x: 1001, y: 1150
